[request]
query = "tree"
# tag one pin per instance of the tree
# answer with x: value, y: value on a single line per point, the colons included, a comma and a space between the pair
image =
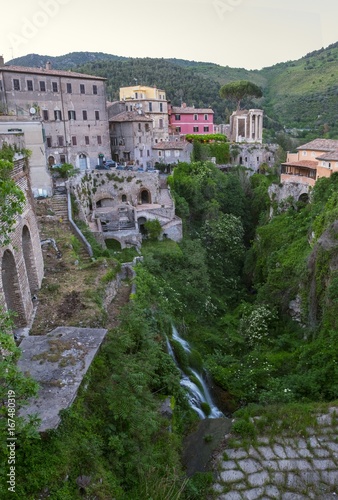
x: 237, y: 91
x: 12, y: 199
x: 153, y: 228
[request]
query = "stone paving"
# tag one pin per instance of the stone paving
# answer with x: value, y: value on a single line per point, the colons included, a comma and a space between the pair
x: 282, y: 467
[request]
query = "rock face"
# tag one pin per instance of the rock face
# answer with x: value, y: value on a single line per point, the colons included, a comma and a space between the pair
x: 58, y: 361
x: 283, y: 467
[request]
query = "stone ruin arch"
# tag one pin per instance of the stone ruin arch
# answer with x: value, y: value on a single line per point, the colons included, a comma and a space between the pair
x: 144, y: 196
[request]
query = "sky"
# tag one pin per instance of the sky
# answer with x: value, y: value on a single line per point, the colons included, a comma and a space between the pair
x: 248, y: 34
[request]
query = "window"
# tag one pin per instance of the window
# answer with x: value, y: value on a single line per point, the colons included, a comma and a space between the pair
x: 140, y: 140
x: 84, y: 114
x: 74, y: 141
x: 161, y: 107
x: 147, y: 127
x: 195, y: 117
x: 99, y: 140
x: 150, y: 106
x: 71, y: 115
x: 95, y: 89
x: 82, y: 88
x: 178, y: 129
x: 160, y: 153
x: 177, y: 152
x: 196, y: 129
x: 304, y: 153
x: 42, y: 86
x: 87, y: 140
x: 167, y: 153
x: 206, y: 129
x: 139, y: 127
x: 62, y: 159
x: 69, y: 88
x: 16, y: 84
x: 177, y: 117
x: 57, y: 114
x: 45, y: 115
x: 160, y: 123
x: 97, y: 115
x: 148, y: 152
x: 141, y: 153
x: 206, y: 117
x: 30, y: 85
x: 55, y: 87
x: 136, y: 95
x: 49, y: 142
x: 60, y: 141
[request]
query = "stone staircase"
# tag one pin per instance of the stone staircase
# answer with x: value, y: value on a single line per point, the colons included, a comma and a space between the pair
x: 60, y: 206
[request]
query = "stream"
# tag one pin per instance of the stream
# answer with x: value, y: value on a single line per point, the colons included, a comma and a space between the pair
x: 197, y: 390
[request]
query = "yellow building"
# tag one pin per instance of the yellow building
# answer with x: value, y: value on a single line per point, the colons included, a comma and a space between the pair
x: 318, y: 158
x: 138, y: 92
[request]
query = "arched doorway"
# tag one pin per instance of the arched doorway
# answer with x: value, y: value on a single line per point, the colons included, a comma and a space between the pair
x: 12, y: 292
x: 145, y: 197
x: 51, y: 161
x: 82, y: 161
x: 304, y: 198
x: 140, y: 222
x: 28, y: 255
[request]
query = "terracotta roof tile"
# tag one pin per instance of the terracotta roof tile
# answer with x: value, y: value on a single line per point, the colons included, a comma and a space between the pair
x: 190, y: 110
x: 303, y: 163
x: 329, y: 156
x: 170, y: 145
x: 321, y: 145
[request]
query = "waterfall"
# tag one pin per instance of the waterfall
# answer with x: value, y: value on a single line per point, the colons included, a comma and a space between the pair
x: 197, y: 390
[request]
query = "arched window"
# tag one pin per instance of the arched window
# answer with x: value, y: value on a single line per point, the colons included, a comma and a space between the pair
x: 124, y: 197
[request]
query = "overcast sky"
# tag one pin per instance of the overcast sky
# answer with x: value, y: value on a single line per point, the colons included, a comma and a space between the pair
x: 239, y: 33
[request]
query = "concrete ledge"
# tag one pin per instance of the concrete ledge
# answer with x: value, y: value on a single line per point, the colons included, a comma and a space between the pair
x: 58, y: 361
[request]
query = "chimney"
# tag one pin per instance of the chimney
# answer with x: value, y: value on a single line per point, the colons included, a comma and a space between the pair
x: 184, y: 104
x: 2, y: 61
x: 48, y: 65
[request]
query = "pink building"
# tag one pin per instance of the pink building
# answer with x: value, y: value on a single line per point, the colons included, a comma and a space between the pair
x: 188, y: 120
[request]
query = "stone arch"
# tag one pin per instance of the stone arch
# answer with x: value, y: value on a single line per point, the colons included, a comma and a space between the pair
x: 140, y: 222
x: 124, y: 198
x: 51, y: 160
x: 144, y: 196
x: 304, y: 197
x: 113, y: 244
x: 11, y: 288
x: 28, y: 254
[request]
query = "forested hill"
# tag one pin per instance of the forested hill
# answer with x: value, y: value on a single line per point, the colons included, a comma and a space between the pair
x: 301, y: 94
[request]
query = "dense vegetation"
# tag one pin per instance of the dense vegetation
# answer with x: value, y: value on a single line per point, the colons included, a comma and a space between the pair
x: 297, y: 94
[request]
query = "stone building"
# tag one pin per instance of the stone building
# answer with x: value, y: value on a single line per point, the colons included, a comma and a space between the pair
x: 21, y: 261
x: 153, y: 103
x: 252, y: 156
x: 246, y: 126
x: 131, y: 136
x: 172, y: 152
x: 71, y: 107
x: 117, y: 204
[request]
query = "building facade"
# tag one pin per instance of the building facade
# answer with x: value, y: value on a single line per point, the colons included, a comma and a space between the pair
x: 318, y: 158
x: 71, y: 107
x: 153, y: 103
x: 185, y: 120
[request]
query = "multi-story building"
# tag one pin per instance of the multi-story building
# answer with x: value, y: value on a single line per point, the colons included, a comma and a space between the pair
x: 131, y: 136
x: 318, y: 158
x: 185, y: 120
x: 153, y: 103
x: 71, y: 106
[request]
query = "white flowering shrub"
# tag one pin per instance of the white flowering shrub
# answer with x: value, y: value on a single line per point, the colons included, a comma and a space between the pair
x: 255, y: 322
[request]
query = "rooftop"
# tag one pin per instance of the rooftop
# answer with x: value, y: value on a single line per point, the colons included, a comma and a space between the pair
x: 51, y: 72
x: 321, y: 145
x: 130, y: 116
x: 190, y: 110
x: 170, y: 145
x: 333, y: 156
x: 303, y: 163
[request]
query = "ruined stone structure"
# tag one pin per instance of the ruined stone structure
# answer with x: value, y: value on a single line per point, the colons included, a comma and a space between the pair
x: 21, y: 261
x: 252, y: 156
x: 117, y: 204
x: 246, y: 126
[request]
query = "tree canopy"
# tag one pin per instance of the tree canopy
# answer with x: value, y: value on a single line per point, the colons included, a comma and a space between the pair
x: 237, y: 91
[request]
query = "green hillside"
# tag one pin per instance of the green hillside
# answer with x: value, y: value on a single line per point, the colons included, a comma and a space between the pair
x: 300, y: 94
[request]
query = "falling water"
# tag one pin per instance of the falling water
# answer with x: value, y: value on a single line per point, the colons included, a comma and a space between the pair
x: 197, y: 393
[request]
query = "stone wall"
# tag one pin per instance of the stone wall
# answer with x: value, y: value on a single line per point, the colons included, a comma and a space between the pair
x: 21, y: 261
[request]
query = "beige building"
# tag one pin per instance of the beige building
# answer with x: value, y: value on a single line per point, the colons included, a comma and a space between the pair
x: 153, y: 103
x: 318, y: 158
x: 71, y: 107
